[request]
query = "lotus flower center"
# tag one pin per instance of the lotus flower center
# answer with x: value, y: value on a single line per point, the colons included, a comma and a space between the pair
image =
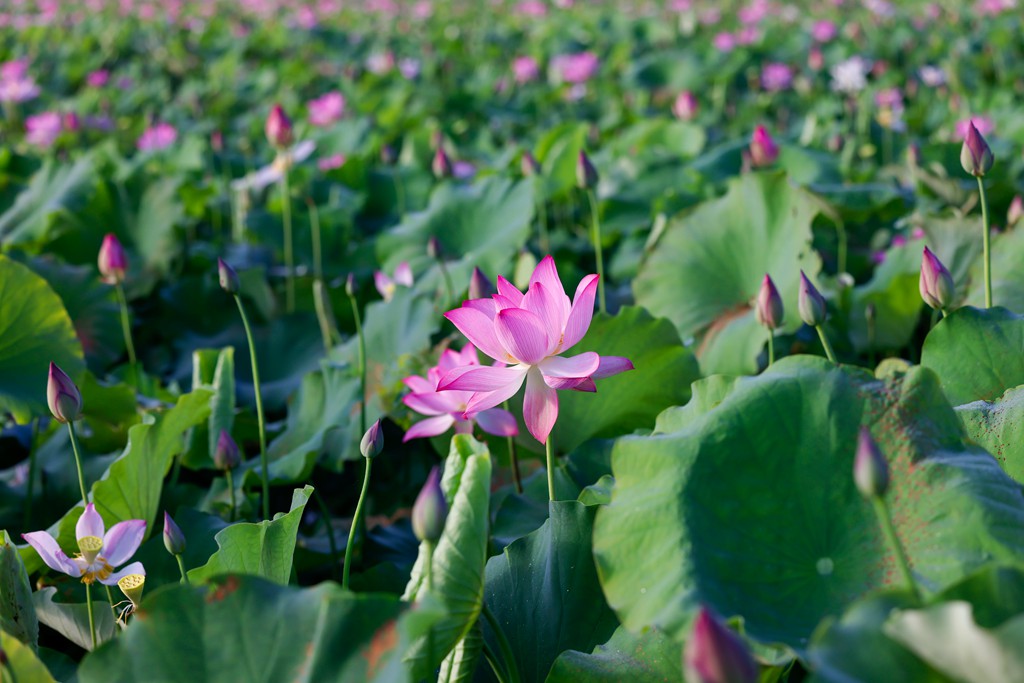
x: 132, y: 586
x: 90, y: 547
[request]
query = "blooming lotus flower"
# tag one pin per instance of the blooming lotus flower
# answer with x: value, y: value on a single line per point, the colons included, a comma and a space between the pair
x: 724, y: 42
x: 446, y: 409
x: 97, y: 79
x: 327, y: 109
x: 99, y: 552
x: 43, y: 129
x: 386, y: 286
x: 271, y: 173
x: 529, y: 331
x: 850, y: 76
x: 157, y: 137
x: 776, y: 76
x: 823, y: 31
x: 525, y: 69
x: 15, y: 83
x: 576, y: 68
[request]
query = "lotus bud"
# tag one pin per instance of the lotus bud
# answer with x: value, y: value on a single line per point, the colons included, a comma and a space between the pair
x: 768, y: 307
x: 226, y: 456
x: 870, y: 469
x: 975, y: 155
x: 936, y: 283
x: 350, y: 285
x: 763, y: 150
x: 373, y: 441
x: 174, y: 540
x: 430, y: 510
x: 1015, y: 212
x: 112, y: 261
x: 914, y: 155
x: 685, y: 106
x: 388, y: 155
x: 528, y: 164
x: 811, y: 303
x: 279, y: 128
x: 132, y: 587
x: 217, y: 141
x: 228, y: 277
x: 480, y: 287
x: 434, y: 250
x: 62, y: 396
x: 815, y: 59
x: 441, y: 165
x: 714, y: 654
x: 586, y: 174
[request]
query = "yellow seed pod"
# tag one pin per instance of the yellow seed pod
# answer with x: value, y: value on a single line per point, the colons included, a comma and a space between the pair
x: 132, y: 586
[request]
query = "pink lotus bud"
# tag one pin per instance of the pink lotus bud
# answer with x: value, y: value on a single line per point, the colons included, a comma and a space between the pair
x: 586, y: 174
x: 685, y: 106
x: 62, y: 396
x: 217, y: 141
x: 71, y: 121
x: 975, y: 155
x: 228, y: 277
x: 279, y: 128
x: 174, y: 540
x: 1015, y: 212
x: 372, y: 442
x: 528, y: 164
x: 226, y: 456
x: 441, y: 165
x: 434, y: 249
x: 870, y: 468
x: 811, y: 303
x: 430, y: 511
x: 714, y: 654
x: 480, y: 287
x: 768, y: 308
x: 815, y: 59
x: 112, y: 261
x: 763, y: 150
x: 936, y: 283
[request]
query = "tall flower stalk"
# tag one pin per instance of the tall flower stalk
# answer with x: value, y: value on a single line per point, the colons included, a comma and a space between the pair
x: 113, y: 266
x: 976, y: 159
x: 370, y: 446
x: 813, y: 311
x: 280, y: 134
x: 586, y: 179
x: 350, y: 290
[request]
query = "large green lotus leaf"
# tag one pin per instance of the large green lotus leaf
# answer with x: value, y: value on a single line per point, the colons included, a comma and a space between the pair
x: 998, y: 427
x: 544, y: 593
x: 649, y: 657
x: 977, y: 353
x: 893, y: 291
x: 71, y: 619
x: 461, y: 663
x: 262, y: 549
x: 707, y: 267
x: 245, y: 628
x: 34, y: 330
x: 21, y: 663
x: 459, y: 556
x: 751, y: 507
x: 656, y: 137
x: 214, y: 371
x: 150, y: 224
x: 56, y: 188
x: 17, y: 615
x: 558, y: 152
x: 708, y: 392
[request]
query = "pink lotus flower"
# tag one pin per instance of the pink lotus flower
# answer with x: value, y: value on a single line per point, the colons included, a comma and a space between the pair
x: 156, y: 137
x: 327, y: 109
x: 823, y: 31
x: 724, y: 42
x: 532, y: 8
x: 776, y: 76
x: 576, y: 68
x: 97, y: 79
x: 99, y: 552
x: 525, y: 69
x: 685, y: 106
x: 42, y: 130
x: 330, y: 163
x: 15, y: 83
x: 386, y: 286
x: 112, y: 261
x: 529, y: 332
x: 448, y: 408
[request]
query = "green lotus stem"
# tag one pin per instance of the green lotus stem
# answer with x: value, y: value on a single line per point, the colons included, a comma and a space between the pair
x: 355, y: 525
x: 513, y: 456
x: 826, y: 343
x: 503, y: 644
x: 78, y: 462
x: 92, y: 621
x: 181, y: 568
x: 126, y: 329
x: 314, y: 232
x: 323, y: 316
x: 885, y: 521
x: 325, y: 514
x: 31, y: 473
x: 595, y: 235
x: 362, y: 364
x: 259, y: 408
x: 841, y: 244
x: 550, y: 459
x: 231, y: 489
x: 428, y: 549
x: 771, y: 347
x: 289, y: 256
x: 986, y: 239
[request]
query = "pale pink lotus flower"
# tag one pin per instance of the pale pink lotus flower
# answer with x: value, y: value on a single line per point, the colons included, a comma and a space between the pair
x: 326, y: 109
x: 98, y: 78
x: 14, y: 70
x: 724, y: 42
x: 932, y: 76
x: 15, y: 83
x: 525, y: 69
x: 446, y: 409
x: 889, y: 98
x: 380, y: 63
x: 409, y: 68
x: 575, y: 68
x: 423, y: 9
x: 532, y: 8
x: 100, y: 551
x: 463, y: 170
x: 387, y: 285
x: 42, y: 130
x: 529, y: 331
x: 850, y: 75
x: 754, y: 13
x: 685, y: 106
x: 776, y: 76
x: 748, y: 35
x: 330, y: 163
x: 824, y: 31
x: 982, y: 123
x: 156, y: 137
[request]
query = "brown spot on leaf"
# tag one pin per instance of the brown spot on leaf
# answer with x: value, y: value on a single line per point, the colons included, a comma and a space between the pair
x: 229, y: 586
x: 383, y: 642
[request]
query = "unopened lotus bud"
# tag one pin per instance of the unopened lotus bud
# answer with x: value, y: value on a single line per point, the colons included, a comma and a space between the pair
x: 586, y: 174
x: 373, y: 441
x: 434, y: 250
x: 685, y: 106
x: 815, y: 59
x: 975, y: 155
x: 936, y: 283
x: 1015, y: 212
x: 714, y: 654
x: 62, y: 396
x: 132, y: 587
x: 430, y: 510
x: 112, y: 261
x: 228, y: 277
x: 226, y: 455
x: 480, y: 287
x: 217, y: 141
x: 870, y: 469
x: 441, y: 165
x: 811, y: 303
x: 768, y: 307
x: 350, y: 285
x: 174, y: 540
x: 763, y: 150
x: 529, y: 164
x: 279, y: 128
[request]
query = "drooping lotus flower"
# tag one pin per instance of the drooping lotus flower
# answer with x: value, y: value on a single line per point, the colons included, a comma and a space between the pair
x: 448, y: 408
x: 386, y: 285
x: 99, y: 552
x: 529, y: 332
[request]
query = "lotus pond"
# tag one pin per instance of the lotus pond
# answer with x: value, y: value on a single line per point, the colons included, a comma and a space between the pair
x: 511, y: 341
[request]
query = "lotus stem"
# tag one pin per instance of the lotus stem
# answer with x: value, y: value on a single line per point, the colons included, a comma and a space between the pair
x: 259, y: 408
x: 513, y: 457
x: 399, y: 192
x: 92, y: 620
x: 181, y: 568
x: 362, y: 363
x: 113, y: 608
x: 314, y: 232
x: 78, y: 462
x: 542, y: 215
x: 550, y: 459
x: 231, y: 489
x: 826, y: 344
x: 356, y: 520
x: 449, y: 290
x: 986, y: 239
x: 595, y: 235
x: 771, y: 347
x: 885, y: 521
x: 289, y: 256
x: 126, y: 329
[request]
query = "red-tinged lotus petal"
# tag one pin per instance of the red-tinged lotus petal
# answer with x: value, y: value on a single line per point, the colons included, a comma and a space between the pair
x: 546, y: 274
x: 497, y: 422
x: 434, y: 403
x: 481, y: 378
x: 419, y: 385
x: 432, y: 426
x: 123, y: 540
x: 488, y: 399
x: 540, y: 406
x: 581, y: 314
x: 509, y: 291
x: 90, y: 523
x: 522, y: 334
x: 612, y: 365
x: 551, y: 308
x: 51, y: 553
x: 133, y: 568
x: 479, y: 330
x: 586, y: 384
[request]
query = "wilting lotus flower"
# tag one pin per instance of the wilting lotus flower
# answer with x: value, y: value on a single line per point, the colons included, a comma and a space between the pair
x: 386, y: 286
x: 99, y: 552
x: 327, y: 109
x: 525, y: 69
x: 156, y: 137
x: 685, y: 106
x: 111, y: 261
x: 528, y: 332
x: 42, y: 130
x: 763, y: 150
x: 448, y: 408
